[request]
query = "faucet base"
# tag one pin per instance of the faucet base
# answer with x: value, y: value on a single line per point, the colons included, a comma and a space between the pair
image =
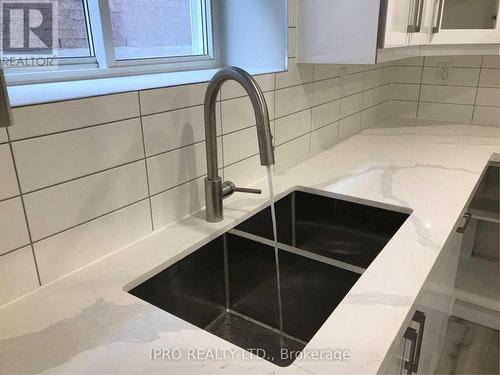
x: 213, y: 200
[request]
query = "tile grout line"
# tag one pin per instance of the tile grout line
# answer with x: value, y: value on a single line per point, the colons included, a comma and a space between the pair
x: 222, y: 168
x: 420, y: 87
x: 82, y: 176
x: 145, y: 163
x: 114, y: 122
x: 311, y: 115
x: 90, y: 220
x: 477, y: 90
x: 24, y: 210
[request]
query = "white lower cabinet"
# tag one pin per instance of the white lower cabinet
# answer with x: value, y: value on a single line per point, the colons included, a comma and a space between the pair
x: 419, y: 343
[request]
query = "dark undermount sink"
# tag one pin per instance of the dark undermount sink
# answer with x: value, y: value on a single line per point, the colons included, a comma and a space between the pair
x: 228, y: 287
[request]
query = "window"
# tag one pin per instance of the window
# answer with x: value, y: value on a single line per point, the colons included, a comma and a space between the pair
x: 73, y: 39
x: 115, y: 37
x: 154, y: 29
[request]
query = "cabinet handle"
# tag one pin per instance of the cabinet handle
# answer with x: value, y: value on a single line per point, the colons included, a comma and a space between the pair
x: 419, y: 317
x: 437, y: 27
x: 410, y: 335
x: 417, y: 18
x: 463, y: 228
x: 411, y: 365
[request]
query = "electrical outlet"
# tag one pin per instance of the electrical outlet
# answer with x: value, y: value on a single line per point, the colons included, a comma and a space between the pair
x: 443, y: 72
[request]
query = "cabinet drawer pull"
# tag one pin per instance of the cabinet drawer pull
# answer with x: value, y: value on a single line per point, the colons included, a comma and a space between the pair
x: 410, y: 335
x: 463, y: 228
x: 411, y: 365
x: 437, y: 27
x: 417, y: 18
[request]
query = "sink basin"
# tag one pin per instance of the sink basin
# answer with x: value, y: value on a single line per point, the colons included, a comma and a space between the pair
x: 330, y: 225
x: 229, y: 287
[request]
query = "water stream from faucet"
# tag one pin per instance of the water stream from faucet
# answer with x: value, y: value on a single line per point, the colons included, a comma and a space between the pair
x: 276, y: 258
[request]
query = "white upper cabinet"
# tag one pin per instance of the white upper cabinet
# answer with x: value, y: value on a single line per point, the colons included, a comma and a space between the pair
x: 399, y: 15
x: 465, y: 22
x: 370, y: 31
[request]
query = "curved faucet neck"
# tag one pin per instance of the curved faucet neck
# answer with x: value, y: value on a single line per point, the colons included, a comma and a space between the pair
x: 261, y: 117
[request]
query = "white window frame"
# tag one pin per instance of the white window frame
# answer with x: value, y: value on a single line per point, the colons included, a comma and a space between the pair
x: 104, y: 63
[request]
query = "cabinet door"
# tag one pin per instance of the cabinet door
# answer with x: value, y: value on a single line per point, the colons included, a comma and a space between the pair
x: 423, y: 333
x: 397, y: 21
x: 424, y: 22
x: 436, y: 301
x: 466, y: 22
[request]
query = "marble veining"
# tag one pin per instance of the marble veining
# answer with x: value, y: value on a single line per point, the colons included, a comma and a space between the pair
x: 88, y: 323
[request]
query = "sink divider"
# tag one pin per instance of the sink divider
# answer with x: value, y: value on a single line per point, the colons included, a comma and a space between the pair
x: 300, y: 252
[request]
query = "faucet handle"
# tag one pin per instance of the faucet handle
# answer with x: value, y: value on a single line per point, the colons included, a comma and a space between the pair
x: 247, y: 190
x: 228, y: 188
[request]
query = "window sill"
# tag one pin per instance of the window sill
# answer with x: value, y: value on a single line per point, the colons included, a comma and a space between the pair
x: 39, y: 93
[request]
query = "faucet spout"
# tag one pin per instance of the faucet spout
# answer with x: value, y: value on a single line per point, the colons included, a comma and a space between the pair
x: 214, y: 187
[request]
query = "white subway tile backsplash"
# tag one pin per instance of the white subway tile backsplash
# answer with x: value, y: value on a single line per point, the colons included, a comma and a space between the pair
x: 292, y: 126
x: 170, y: 98
x: 411, y: 61
x: 407, y: 74
x: 326, y: 71
x: 292, y: 152
x: 486, y: 116
x: 373, y: 78
x: 457, y: 76
x: 405, y: 91
x: 325, y: 114
x: 176, y: 167
x: 56, y: 117
x: 232, y: 89
x: 3, y: 135
x: 471, y: 90
x: 403, y: 108
x: 350, y: 104
x: 13, y: 230
x: 324, y: 137
x: 171, y: 130
x: 446, y: 112
x: 372, y: 97
x: 377, y: 113
x: 238, y: 113
x: 293, y: 99
x: 49, y: 160
x: 17, y: 274
x: 490, y: 78
x: 454, y: 61
x: 488, y: 96
x: 297, y: 74
x: 63, y: 206
x: 179, y: 166
x: 245, y: 172
x: 240, y: 145
x: 72, y: 249
x: 325, y: 91
x: 351, y: 84
x: 349, y: 126
x: 177, y: 203
x: 8, y: 180
x: 491, y: 62
x: 448, y: 94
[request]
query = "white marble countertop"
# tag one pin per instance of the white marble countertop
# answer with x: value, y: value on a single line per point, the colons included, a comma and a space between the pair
x: 87, y: 323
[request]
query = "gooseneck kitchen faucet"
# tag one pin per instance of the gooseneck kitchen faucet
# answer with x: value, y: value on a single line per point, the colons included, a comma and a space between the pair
x: 215, y: 189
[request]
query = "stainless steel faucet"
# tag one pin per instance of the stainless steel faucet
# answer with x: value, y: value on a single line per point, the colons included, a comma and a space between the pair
x: 215, y: 189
